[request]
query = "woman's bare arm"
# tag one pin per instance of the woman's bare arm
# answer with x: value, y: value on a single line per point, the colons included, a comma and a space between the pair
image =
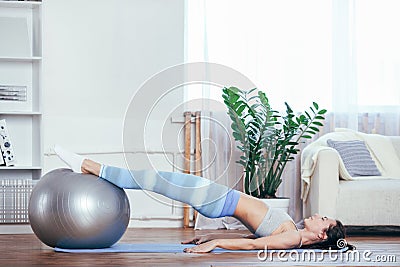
x: 199, y: 239
x: 285, y: 240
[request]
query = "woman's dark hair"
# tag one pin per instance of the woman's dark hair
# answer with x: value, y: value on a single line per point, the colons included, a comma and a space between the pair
x: 336, y: 239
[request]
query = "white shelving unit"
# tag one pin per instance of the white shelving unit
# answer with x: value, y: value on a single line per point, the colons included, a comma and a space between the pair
x: 23, y: 118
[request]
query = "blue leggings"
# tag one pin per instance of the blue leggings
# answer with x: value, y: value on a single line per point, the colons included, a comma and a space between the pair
x: 208, y: 198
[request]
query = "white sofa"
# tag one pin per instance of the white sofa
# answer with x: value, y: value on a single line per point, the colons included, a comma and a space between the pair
x: 356, y: 201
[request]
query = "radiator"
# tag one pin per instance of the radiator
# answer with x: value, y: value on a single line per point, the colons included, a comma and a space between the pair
x: 14, y: 200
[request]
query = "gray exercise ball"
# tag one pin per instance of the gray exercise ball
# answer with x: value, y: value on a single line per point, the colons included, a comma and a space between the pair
x: 75, y: 210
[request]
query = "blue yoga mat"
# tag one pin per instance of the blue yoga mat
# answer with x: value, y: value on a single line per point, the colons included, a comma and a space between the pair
x: 156, y: 248
x: 139, y: 248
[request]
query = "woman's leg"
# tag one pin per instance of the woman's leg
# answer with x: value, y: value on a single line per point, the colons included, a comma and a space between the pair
x: 210, y: 199
x: 244, y: 209
x: 249, y: 210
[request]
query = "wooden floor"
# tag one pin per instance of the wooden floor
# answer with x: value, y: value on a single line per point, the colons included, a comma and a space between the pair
x: 27, y: 250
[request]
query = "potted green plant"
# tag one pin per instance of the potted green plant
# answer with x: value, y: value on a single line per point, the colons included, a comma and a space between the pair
x: 267, y: 139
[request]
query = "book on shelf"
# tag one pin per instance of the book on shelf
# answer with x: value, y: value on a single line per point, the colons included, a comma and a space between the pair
x: 6, y: 148
x: 2, y: 162
x: 12, y: 93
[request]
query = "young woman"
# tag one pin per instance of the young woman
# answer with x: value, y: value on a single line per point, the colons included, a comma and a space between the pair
x: 271, y: 228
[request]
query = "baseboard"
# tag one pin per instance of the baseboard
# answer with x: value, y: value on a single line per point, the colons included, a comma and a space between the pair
x: 380, y: 230
x: 351, y: 230
x: 13, y: 229
x: 167, y: 222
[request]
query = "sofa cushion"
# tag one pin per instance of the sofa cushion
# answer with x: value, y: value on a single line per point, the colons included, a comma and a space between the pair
x: 356, y: 157
x: 383, y: 153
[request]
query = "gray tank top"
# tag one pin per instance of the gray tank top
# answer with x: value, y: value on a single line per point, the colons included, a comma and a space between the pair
x: 272, y: 220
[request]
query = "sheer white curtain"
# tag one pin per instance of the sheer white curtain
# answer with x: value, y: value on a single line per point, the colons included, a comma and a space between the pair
x: 366, y: 65
x: 342, y: 54
x: 219, y: 156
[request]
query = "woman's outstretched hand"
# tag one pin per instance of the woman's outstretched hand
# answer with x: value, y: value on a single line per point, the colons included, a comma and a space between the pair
x: 198, y: 240
x: 202, y: 248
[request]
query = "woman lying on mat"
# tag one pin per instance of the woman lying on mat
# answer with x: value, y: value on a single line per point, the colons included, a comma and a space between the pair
x: 271, y: 228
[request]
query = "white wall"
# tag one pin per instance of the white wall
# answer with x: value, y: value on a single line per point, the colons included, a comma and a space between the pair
x: 96, y: 54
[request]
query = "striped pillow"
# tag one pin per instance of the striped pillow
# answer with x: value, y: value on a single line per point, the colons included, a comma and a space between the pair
x: 356, y: 157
